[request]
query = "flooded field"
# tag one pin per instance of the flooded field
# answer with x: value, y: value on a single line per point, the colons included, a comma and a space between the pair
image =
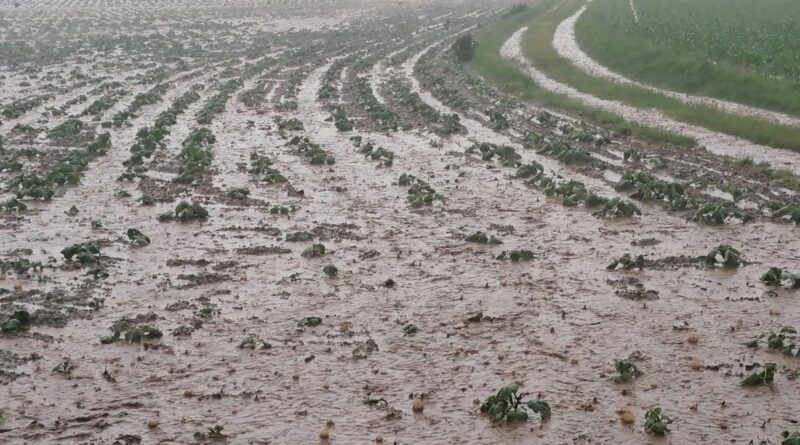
x: 306, y: 222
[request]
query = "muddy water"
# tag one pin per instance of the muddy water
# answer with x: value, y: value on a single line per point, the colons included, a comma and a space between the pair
x: 567, y: 47
x: 716, y: 143
x: 558, y: 326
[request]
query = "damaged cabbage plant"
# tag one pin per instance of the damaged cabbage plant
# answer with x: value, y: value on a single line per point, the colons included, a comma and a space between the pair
x: 132, y: 333
x: 647, y: 187
x: 719, y: 213
x: 726, y: 256
x: 508, y: 406
x: 299, y: 236
x: 20, y: 267
x: 137, y: 238
x: 480, y: 317
x: 783, y: 341
x: 765, y: 377
x: 419, y: 192
x: 789, y: 212
x: 238, y: 193
x: 315, y: 154
x: 84, y: 253
x: 790, y: 438
x: 776, y: 276
x: 656, y: 423
x: 254, y: 342
x: 627, y: 371
x: 480, y: 237
x: 195, y: 156
x: 507, y: 155
x: 386, y: 157
x: 566, y: 153
x: 262, y: 170
x: 516, y: 255
x: 17, y: 321
x: 313, y: 251
x: 627, y: 262
x: 330, y: 270
x: 185, y: 212
x: 339, y: 117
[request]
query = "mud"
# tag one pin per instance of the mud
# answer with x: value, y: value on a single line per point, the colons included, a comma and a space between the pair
x: 258, y: 340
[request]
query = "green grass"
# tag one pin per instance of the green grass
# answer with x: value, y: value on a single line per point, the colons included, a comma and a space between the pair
x: 740, y: 50
x: 537, y: 46
x: 510, y: 80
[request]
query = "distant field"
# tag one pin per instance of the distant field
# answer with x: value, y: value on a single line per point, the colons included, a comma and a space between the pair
x: 740, y: 50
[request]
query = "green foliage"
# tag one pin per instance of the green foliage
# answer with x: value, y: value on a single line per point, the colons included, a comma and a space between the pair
x: 783, y: 341
x: 281, y: 210
x: 254, y: 342
x: 627, y: 262
x: 185, y: 212
x: 566, y: 153
x: 299, y: 236
x: 725, y: 255
x: 216, y: 104
x: 718, y: 213
x: 507, y: 405
x: 315, y: 250
x: 330, y: 270
x: 377, y: 112
x: 19, y: 267
x: 18, y: 321
x: 627, y: 371
x: 776, y: 276
x: 137, y: 238
x: 32, y: 186
x: 195, y: 156
x: 292, y: 124
x: 464, y: 47
x: 655, y: 423
x: 377, y: 153
x: 132, y: 333
x: 647, y: 187
x: 419, y: 192
x: 310, y: 322
x: 339, y: 117
x: 410, y: 329
x: 483, y: 238
x: 13, y: 204
x: 765, y: 377
x: 516, y: 255
x: 507, y: 155
x: 238, y: 193
x: 67, y: 129
x: 790, y: 212
x: 84, y: 253
x: 262, y: 170
x: 617, y: 208
x: 479, y: 318
x: 315, y: 154
x: 790, y: 438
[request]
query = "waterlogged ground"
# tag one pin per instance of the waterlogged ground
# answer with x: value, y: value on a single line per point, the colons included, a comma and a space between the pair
x: 558, y: 322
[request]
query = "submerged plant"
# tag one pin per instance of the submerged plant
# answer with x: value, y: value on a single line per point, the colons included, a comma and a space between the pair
x: 330, y: 270
x: 239, y: 194
x: 627, y: 371
x: 516, y: 255
x: 725, y: 255
x: 655, y: 423
x: 765, y: 377
x: 137, y: 238
x: 718, y: 213
x: 84, y: 253
x: 776, y: 276
x: 315, y: 250
x: 627, y: 262
x: 18, y: 321
x: 185, y: 212
x: 508, y: 405
x: 482, y: 238
x: 790, y: 438
x: 299, y: 236
x: 782, y: 341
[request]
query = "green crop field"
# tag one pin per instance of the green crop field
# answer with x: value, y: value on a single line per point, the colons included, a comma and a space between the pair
x: 739, y: 50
